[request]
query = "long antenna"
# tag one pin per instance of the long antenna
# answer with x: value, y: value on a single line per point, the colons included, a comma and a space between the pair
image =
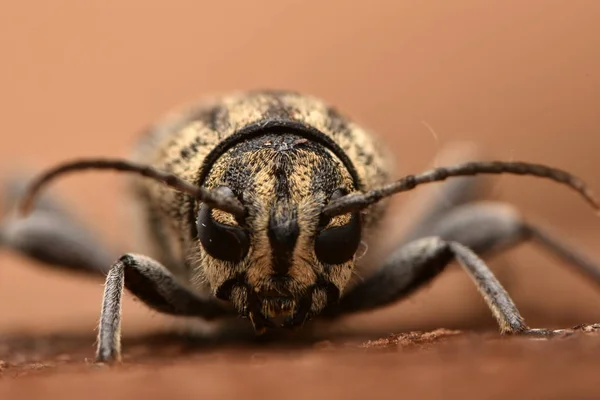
x: 212, y: 198
x: 359, y: 201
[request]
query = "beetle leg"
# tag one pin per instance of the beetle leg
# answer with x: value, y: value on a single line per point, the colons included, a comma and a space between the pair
x: 51, y: 234
x: 488, y: 228
x: 152, y: 283
x: 419, y: 262
x: 478, y: 228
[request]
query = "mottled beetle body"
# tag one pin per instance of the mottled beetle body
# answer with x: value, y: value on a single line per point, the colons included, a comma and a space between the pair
x: 283, y: 155
x: 261, y: 204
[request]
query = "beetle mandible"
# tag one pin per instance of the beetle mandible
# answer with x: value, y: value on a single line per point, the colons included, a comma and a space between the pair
x: 259, y: 204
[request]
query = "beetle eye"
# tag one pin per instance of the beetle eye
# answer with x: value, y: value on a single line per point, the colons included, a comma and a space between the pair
x: 338, y: 244
x: 224, y: 242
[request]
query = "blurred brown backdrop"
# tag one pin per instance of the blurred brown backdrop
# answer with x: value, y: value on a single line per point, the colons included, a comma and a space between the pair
x: 519, y: 78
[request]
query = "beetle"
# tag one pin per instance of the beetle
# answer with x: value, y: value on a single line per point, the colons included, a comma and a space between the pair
x: 261, y: 204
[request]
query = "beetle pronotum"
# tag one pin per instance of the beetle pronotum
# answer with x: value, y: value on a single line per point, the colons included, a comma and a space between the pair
x: 256, y: 204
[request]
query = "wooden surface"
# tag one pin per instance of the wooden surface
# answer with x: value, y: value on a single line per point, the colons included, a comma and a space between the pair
x: 519, y: 79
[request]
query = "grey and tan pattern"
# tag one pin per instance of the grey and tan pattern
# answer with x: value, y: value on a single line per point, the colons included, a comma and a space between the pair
x: 258, y: 204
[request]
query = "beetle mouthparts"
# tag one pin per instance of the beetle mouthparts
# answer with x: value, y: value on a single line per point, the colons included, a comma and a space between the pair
x: 278, y: 312
x: 271, y: 309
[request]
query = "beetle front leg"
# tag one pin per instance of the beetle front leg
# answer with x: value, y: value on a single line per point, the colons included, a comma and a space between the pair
x: 416, y: 264
x: 464, y: 234
x: 152, y: 283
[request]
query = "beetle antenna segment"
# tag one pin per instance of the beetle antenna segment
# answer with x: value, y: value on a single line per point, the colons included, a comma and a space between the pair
x: 359, y: 201
x: 210, y: 197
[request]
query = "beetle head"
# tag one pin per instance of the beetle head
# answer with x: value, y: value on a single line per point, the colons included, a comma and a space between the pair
x: 283, y: 259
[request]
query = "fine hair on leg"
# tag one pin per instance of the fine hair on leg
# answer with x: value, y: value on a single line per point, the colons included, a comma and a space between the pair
x: 152, y: 283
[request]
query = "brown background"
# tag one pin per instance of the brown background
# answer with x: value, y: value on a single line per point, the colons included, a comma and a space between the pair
x: 521, y: 79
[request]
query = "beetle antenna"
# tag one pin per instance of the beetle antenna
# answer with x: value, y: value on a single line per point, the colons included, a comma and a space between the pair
x: 359, y: 201
x: 210, y: 197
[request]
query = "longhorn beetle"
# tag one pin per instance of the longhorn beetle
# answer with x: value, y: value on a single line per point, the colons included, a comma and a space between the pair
x: 259, y: 204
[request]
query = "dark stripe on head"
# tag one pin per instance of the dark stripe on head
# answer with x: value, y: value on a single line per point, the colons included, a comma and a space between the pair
x: 283, y: 233
x: 283, y: 169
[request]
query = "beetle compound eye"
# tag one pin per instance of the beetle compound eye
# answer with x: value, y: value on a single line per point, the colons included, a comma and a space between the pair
x: 337, y: 245
x: 224, y: 242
